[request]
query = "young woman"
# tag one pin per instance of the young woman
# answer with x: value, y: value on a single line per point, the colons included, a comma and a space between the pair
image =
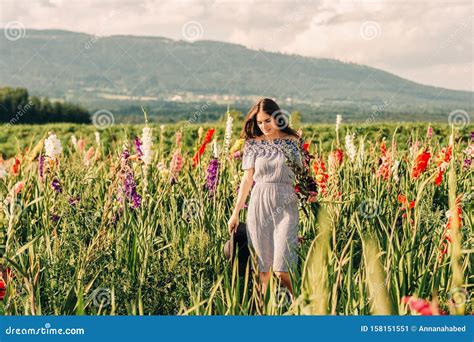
x: 272, y: 218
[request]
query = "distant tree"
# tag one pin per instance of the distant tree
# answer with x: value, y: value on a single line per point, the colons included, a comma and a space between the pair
x: 17, y: 107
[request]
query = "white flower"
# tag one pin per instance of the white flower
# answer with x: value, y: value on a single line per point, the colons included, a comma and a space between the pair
x: 74, y: 141
x: 52, y: 145
x: 147, y: 144
x: 338, y: 122
x: 350, y: 147
x: 395, y: 171
x: 97, y: 138
x: 215, y: 149
x: 228, y: 132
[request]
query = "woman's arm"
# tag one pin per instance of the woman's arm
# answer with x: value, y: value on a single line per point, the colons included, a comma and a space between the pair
x: 244, y: 189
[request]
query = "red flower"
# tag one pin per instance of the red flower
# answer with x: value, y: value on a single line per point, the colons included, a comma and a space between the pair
x: 202, y: 148
x: 420, y: 164
x: 3, y: 289
x: 403, y: 200
x: 16, y: 166
x: 443, y: 159
x: 306, y: 146
x: 420, y: 306
x: 339, y: 155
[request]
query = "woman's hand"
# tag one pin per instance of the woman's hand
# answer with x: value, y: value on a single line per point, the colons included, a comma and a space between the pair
x: 233, y: 223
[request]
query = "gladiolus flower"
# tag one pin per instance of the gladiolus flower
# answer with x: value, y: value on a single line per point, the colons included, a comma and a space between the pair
x: 420, y: 306
x: 443, y: 159
x: 56, y: 185
x: 321, y: 175
x: 18, y: 187
x: 52, y: 146
x: 41, y: 166
x: 228, y: 132
x: 212, y: 175
x: 16, y: 166
x: 236, y: 148
x: 81, y: 145
x: 350, y: 147
x: 89, y: 155
x: 176, y: 164
x: 420, y: 164
x: 335, y: 160
x: 429, y: 132
x: 138, y: 147
x: 202, y: 148
x: 3, y: 289
x: 147, y: 145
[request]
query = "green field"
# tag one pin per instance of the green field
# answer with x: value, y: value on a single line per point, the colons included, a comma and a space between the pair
x: 85, y: 250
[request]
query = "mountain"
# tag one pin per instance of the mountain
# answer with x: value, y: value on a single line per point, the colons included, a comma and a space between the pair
x: 89, y: 69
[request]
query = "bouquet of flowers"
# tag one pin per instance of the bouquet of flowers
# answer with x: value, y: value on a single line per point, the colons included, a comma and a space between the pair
x: 306, y: 187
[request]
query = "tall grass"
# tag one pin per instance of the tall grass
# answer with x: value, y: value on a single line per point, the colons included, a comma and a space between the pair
x: 359, y: 255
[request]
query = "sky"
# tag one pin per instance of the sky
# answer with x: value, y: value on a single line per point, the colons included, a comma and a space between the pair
x: 430, y: 42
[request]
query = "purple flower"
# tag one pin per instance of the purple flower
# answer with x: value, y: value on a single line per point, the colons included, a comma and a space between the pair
x: 56, y: 185
x: 54, y: 217
x: 211, y: 179
x: 130, y: 190
x: 41, y: 166
x: 125, y: 154
x: 73, y: 200
x: 138, y: 146
x: 467, y: 162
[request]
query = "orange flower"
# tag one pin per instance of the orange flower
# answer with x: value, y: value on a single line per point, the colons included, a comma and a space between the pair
x: 321, y: 175
x: 403, y: 200
x: 420, y: 164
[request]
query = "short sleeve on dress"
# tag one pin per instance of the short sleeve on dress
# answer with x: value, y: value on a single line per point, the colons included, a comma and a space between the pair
x: 248, y: 157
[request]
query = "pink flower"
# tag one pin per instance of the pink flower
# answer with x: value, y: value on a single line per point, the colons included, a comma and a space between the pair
x: 18, y: 187
x: 81, y: 145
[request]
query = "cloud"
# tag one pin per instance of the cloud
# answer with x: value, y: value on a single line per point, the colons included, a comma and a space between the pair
x: 427, y: 42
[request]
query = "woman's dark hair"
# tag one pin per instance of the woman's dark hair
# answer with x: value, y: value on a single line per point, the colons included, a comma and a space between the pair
x: 270, y: 107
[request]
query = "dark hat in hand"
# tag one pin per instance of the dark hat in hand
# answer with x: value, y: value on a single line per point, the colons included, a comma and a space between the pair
x: 238, y: 245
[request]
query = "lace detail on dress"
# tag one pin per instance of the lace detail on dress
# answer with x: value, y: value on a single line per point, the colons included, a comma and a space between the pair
x: 263, y: 148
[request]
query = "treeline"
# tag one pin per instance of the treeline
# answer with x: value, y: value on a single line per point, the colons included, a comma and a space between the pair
x: 17, y: 107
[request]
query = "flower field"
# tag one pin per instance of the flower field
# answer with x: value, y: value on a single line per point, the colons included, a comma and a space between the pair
x: 133, y: 220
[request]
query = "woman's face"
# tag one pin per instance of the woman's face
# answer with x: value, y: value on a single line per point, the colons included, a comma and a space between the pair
x: 267, y: 124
